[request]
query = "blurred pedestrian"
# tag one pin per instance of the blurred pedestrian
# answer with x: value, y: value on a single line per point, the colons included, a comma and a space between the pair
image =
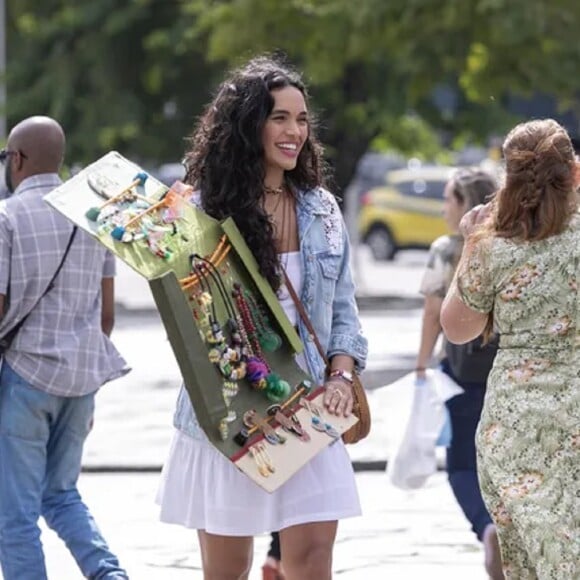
x: 254, y: 157
x: 519, y: 271
x: 56, y: 290
x: 466, y: 189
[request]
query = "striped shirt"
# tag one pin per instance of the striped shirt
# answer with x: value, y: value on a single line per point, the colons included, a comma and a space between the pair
x: 61, y: 348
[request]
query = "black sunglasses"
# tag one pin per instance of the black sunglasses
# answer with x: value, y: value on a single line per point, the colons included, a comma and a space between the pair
x: 5, y: 153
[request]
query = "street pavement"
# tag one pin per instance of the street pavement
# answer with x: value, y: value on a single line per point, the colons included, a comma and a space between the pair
x: 402, y: 534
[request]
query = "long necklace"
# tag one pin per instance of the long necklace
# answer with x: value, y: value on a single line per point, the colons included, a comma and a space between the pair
x: 285, y: 229
x: 280, y: 195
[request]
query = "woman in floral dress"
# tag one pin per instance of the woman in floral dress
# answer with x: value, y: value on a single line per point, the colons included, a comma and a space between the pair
x: 519, y: 271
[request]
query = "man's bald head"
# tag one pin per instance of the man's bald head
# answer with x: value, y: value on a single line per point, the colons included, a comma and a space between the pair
x: 41, y: 141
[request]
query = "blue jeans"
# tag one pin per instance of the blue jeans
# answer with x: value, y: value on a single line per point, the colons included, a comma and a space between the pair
x: 465, y: 411
x: 41, y: 444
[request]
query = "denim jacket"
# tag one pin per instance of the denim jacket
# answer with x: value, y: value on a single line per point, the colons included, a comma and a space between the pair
x: 328, y: 294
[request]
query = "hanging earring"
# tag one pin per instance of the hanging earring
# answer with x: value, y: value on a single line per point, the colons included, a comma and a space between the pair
x: 265, y: 457
x: 297, y: 426
x: 223, y: 427
x: 252, y: 419
x: 288, y: 423
x: 101, y: 185
x: 262, y: 467
x: 316, y: 420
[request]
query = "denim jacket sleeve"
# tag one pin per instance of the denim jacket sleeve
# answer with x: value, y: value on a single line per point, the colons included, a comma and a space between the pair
x: 346, y: 335
x: 328, y: 291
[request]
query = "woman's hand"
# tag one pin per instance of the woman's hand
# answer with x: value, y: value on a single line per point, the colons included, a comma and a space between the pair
x: 338, y: 397
x: 473, y: 218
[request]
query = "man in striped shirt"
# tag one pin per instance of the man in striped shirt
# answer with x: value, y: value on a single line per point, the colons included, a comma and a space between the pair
x: 59, y: 358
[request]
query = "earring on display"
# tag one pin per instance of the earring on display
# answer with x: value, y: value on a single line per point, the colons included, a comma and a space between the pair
x: 223, y: 426
x: 317, y: 421
x: 290, y: 424
x: 260, y: 463
x: 100, y: 185
x: 252, y: 419
x: 297, y: 426
x: 228, y: 360
x: 265, y: 456
x: 302, y: 389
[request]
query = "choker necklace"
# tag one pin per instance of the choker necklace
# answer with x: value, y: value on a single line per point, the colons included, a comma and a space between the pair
x: 273, y: 190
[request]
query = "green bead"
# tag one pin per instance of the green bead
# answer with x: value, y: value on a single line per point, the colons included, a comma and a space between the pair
x: 277, y: 390
x: 270, y: 341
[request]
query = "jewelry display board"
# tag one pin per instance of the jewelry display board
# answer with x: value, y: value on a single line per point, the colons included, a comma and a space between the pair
x: 234, y: 345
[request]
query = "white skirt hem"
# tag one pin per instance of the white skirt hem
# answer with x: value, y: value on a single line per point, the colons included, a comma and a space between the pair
x: 201, y: 489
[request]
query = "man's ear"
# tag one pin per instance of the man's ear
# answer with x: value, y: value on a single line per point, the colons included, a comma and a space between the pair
x: 20, y: 160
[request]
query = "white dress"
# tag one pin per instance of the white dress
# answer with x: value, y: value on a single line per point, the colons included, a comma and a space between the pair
x: 201, y: 489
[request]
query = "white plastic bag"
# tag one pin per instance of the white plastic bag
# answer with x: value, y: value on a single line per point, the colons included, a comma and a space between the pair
x: 413, y: 460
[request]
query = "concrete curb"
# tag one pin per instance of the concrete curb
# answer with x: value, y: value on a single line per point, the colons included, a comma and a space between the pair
x: 388, y: 302
x: 365, y: 303
x: 358, y: 467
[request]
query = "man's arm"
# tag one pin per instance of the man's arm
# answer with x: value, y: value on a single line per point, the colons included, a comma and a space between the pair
x: 108, y: 307
x: 5, y: 253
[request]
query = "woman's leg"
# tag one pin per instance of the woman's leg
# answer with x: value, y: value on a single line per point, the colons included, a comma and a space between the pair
x: 307, y: 550
x: 226, y: 557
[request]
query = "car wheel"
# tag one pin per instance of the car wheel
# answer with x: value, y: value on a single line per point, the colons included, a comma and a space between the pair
x: 381, y: 243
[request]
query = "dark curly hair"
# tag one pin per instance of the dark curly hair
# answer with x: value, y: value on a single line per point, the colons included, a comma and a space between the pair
x: 226, y: 159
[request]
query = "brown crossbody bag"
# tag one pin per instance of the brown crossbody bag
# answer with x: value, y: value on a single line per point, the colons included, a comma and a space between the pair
x: 360, y: 407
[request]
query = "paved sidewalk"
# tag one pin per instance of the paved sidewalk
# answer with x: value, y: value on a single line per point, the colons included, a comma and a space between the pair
x: 402, y: 535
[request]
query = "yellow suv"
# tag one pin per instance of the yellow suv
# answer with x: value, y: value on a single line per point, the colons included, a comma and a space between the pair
x: 407, y: 212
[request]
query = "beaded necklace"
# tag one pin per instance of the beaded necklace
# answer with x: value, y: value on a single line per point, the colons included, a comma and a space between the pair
x: 274, y: 190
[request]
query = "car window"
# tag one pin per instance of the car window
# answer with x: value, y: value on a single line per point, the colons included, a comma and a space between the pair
x: 422, y: 188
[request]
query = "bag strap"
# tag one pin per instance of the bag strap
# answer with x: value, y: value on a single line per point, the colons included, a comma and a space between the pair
x: 13, y: 331
x: 304, y: 316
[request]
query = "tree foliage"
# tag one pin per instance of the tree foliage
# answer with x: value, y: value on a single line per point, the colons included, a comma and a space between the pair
x: 110, y: 71
x: 134, y: 75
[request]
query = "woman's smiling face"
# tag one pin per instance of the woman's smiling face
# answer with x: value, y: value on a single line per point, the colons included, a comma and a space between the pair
x: 285, y: 131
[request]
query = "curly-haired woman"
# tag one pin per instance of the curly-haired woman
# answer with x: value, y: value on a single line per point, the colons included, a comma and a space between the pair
x: 254, y: 157
x: 520, y: 270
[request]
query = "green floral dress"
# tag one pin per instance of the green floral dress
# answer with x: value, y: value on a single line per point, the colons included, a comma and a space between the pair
x: 528, y: 439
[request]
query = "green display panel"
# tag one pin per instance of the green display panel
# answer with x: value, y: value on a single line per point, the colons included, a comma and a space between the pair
x: 159, y: 233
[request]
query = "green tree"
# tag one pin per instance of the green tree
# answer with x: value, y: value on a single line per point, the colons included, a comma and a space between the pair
x: 133, y: 75
x: 370, y: 61
x: 111, y: 72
